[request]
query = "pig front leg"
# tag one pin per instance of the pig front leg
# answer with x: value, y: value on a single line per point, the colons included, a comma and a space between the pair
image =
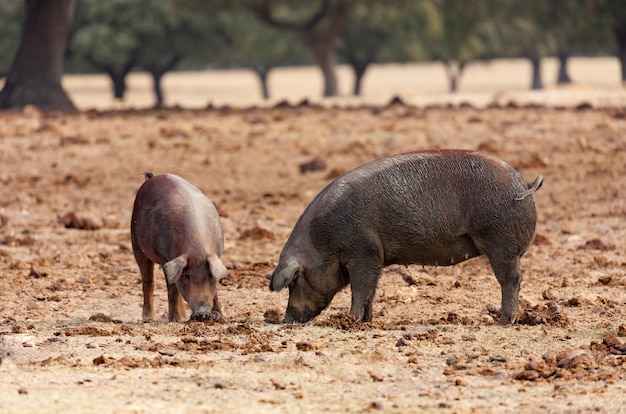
x: 510, y: 278
x: 216, y: 311
x: 364, y: 274
x: 177, y: 307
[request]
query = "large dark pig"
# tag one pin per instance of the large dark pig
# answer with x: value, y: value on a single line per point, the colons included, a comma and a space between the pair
x: 437, y: 207
x: 175, y: 225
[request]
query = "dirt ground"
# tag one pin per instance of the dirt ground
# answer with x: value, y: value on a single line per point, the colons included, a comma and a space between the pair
x: 71, y: 336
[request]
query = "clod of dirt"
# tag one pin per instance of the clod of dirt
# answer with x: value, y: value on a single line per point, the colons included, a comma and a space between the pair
x: 452, y: 360
x: 4, y: 220
x: 574, y: 358
x: 596, y: 244
x: 91, y: 330
x: 550, y: 313
x: 272, y: 316
x: 342, y: 321
x: 221, y: 212
x: 375, y: 377
x: 456, y: 319
x: 528, y: 160
x: 73, y: 140
x: 316, y: 164
x: 401, y: 342
x: 334, y: 173
x: 257, y: 233
x: 59, y: 285
x: 277, y: 384
x: 132, y: 362
x: 104, y: 360
x: 80, y: 182
x: 72, y: 220
x: 396, y: 101
x: 490, y: 147
x: 542, y: 240
x: 308, y: 346
x: 229, y: 279
x: 168, y: 132
x: 36, y: 274
x: 584, y: 106
x: 611, y: 344
x: 101, y: 317
x: 13, y: 241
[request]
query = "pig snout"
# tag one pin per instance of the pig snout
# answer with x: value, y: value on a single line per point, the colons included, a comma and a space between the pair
x: 293, y: 316
x: 204, y: 313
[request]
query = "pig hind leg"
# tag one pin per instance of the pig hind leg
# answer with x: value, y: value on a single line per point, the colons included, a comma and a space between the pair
x: 509, y: 276
x: 146, y: 268
x: 364, y: 273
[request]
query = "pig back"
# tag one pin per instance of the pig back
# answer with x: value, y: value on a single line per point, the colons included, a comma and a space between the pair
x: 421, y: 200
x: 172, y: 217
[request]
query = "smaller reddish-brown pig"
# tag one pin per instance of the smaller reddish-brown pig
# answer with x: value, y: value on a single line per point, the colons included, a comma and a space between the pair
x: 429, y: 208
x: 175, y: 225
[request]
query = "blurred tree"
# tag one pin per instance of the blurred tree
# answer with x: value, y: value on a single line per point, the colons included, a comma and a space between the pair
x: 576, y: 29
x: 612, y: 14
x: 257, y: 46
x: 520, y: 28
x: 35, y: 74
x: 116, y: 36
x: 317, y: 23
x: 375, y: 32
x: 184, y: 35
x: 451, y: 34
x: 11, y: 18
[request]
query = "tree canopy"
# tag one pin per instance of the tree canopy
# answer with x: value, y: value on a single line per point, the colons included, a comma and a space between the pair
x: 116, y: 37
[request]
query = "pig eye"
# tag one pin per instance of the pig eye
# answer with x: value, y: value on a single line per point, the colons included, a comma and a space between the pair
x: 294, y: 280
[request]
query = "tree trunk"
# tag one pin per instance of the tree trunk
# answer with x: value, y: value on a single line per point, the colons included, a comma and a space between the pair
x: 118, y: 79
x: 35, y: 76
x: 263, y: 72
x: 620, y: 37
x: 324, y: 55
x: 454, y: 72
x: 359, y: 71
x: 320, y: 41
x: 563, y: 75
x: 157, y: 73
x: 536, y: 81
x: 157, y: 76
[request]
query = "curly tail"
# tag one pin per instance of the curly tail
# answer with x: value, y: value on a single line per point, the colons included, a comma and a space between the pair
x: 532, y: 187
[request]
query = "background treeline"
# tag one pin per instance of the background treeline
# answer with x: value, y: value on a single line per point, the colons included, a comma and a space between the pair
x: 119, y: 36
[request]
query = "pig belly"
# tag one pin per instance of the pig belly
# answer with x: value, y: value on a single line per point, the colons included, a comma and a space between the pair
x: 446, y: 254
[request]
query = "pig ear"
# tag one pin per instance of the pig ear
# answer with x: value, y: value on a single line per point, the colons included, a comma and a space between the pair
x: 217, y: 268
x: 283, y: 275
x: 174, y: 268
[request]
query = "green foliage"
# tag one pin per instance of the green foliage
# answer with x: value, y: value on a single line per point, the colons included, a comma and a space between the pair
x: 379, y: 32
x: 117, y: 33
x: 254, y: 44
x: 522, y: 29
x: 451, y: 30
x: 11, y: 18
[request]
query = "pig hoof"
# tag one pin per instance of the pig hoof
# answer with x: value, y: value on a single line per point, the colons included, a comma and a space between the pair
x: 216, y: 316
x: 200, y: 317
x: 204, y: 317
